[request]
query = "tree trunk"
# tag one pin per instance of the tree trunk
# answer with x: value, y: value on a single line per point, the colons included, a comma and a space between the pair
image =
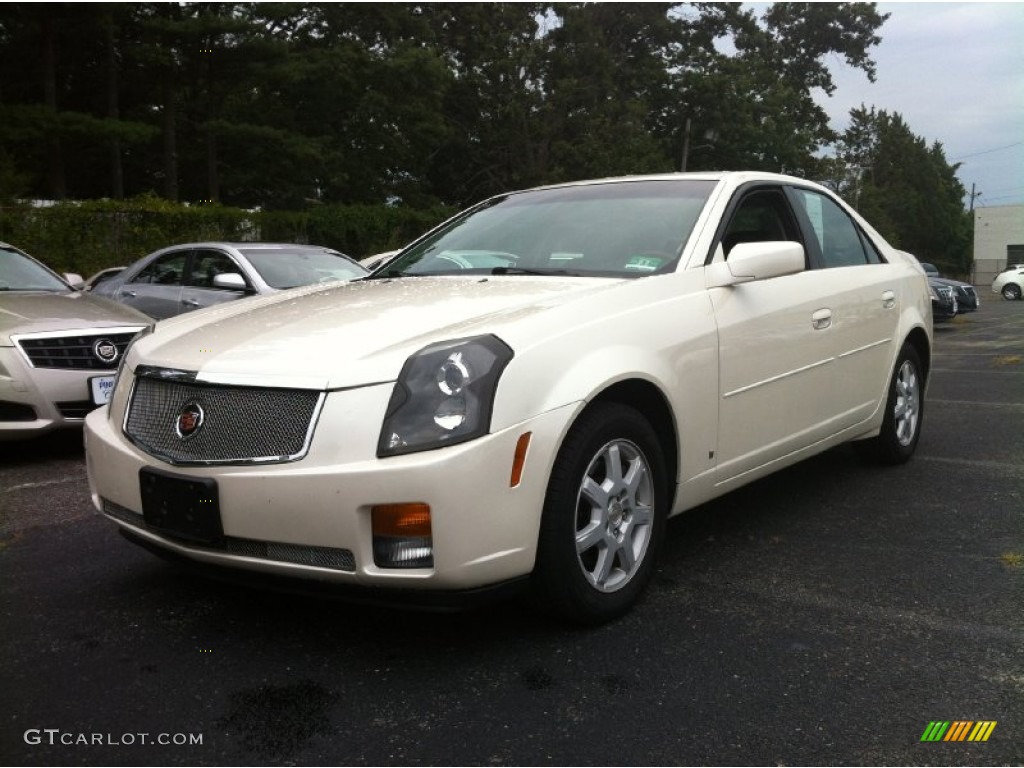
x: 113, y: 108
x: 169, y: 98
x: 57, y: 179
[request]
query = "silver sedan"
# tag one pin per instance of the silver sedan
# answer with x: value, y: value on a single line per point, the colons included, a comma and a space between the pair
x: 191, y: 276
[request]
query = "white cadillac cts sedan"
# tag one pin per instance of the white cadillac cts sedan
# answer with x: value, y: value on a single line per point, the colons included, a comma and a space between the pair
x: 524, y: 395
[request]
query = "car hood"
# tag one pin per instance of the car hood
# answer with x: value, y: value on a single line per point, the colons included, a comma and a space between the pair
x: 349, y: 334
x: 37, y: 311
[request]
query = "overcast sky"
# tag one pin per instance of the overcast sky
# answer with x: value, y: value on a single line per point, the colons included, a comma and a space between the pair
x: 955, y: 72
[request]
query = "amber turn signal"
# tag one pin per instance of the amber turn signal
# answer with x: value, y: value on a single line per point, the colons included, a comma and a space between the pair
x: 519, y: 459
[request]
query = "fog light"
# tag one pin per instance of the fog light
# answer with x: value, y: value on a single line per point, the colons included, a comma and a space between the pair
x: 402, y: 536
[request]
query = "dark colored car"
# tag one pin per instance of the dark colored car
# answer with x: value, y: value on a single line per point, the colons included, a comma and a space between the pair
x: 944, y: 301
x: 966, y: 297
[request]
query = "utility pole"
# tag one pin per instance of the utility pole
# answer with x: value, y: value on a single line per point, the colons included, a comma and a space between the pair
x: 686, y: 146
x: 973, y: 195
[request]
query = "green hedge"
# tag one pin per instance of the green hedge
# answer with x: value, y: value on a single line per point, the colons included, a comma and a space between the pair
x: 87, y: 236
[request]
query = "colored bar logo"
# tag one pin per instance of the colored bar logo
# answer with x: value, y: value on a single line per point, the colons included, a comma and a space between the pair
x: 958, y: 730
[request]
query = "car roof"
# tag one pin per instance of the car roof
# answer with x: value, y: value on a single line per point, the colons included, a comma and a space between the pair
x: 736, y: 177
x: 252, y: 245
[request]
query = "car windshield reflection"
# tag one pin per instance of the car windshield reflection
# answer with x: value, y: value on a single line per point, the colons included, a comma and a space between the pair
x: 626, y: 230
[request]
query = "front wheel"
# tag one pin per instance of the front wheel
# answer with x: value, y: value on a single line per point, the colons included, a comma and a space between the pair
x: 1011, y: 292
x: 604, y: 516
x: 904, y: 413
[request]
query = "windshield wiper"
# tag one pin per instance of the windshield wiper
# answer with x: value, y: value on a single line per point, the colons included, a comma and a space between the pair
x: 524, y: 271
x: 392, y: 273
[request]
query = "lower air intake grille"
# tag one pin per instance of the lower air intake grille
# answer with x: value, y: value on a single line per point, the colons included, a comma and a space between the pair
x: 222, y: 424
x: 77, y: 409
x: 16, y: 411
x: 318, y: 557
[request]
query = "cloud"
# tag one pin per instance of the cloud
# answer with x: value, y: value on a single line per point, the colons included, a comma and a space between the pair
x: 955, y: 72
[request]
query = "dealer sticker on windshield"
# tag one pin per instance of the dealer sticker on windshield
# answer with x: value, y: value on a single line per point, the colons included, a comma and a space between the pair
x: 644, y: 263
x: 102, y: 389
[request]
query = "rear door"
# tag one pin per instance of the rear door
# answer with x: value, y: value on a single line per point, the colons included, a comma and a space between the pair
x: 863, y: 301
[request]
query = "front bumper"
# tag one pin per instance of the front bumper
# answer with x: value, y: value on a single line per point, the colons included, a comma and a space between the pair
x: 278, y: 519
x: 34, y: 401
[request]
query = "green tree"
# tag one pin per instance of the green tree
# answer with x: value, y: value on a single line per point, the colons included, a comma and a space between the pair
x: 496, y: 131
x: 605, y: 78
x: 906, y: 188
x: 758, y: 102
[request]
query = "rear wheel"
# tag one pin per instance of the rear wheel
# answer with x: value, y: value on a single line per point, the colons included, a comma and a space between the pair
x: 1011, y: 292
x: 904, y: 412
x: 604, y: 516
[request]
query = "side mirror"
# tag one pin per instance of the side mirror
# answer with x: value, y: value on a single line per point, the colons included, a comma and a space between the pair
x: 748, y: 262
x: 230, y: 280
x: 75, y: 280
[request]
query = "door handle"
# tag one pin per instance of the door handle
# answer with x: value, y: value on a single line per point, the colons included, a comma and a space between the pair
x: 821, y: 319
x: 128, y: 293
x: 190, y: 303
x: 888, y: 299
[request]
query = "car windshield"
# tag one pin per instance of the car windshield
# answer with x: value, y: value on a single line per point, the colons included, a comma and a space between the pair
x: 289, y: 268
x: 20, y: 273
x: 623, y: 229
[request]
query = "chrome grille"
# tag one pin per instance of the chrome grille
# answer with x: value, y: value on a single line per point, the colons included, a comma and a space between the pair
x: 241, y: 425
x: 76, y: 352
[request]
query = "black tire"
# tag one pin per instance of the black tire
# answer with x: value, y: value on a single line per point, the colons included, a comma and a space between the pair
x: 904, y: 413
x: 1011, y: 292
x: 604, y: 516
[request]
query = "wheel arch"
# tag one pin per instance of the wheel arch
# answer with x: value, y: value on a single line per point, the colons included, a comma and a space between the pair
x: 919, y: 340
x: 652, y: 404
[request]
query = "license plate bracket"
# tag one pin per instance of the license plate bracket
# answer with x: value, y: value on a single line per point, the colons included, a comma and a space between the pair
x: 184, y: 508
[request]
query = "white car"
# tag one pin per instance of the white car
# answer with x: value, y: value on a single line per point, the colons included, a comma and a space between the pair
x: 441, y: 431
x: 59, y: 348
x: 1010, y: 283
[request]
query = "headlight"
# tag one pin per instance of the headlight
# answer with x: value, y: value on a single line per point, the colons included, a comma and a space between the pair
x: 443, y: 395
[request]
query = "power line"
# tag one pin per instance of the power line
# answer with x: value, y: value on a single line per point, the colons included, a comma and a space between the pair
x: 990, y: 151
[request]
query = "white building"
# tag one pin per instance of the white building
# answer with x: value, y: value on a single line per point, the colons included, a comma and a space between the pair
x: 998, y: 240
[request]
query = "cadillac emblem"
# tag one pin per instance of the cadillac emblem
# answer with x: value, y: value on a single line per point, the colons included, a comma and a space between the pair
x: 189, y: 420
x: 105, y: 351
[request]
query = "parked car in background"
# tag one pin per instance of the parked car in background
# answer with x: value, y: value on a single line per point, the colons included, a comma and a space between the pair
x: 451, y: 427
x: 967, y: 299
x: 99, y: 277
x: 192, y: 276
x: 944, y: 301
x: 1010, y: 283
x: 59, y: 348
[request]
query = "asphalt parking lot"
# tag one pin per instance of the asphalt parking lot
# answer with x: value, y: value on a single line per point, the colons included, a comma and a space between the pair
x: 825, y: 615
